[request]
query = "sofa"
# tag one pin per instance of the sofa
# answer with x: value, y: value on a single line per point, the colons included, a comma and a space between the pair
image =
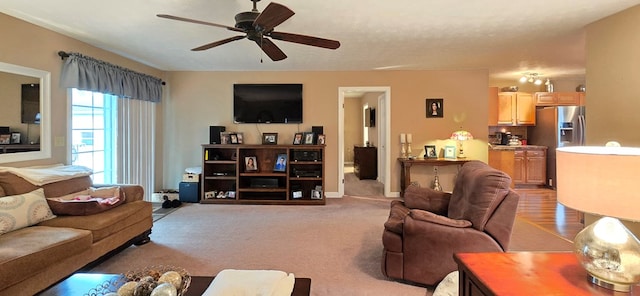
x: 427, y: 227
x: 35, y: 257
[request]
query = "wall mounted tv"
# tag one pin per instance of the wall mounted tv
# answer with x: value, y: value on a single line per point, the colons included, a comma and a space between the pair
x: 267, y: 103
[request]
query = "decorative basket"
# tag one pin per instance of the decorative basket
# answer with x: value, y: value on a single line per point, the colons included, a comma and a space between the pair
x: 135, y: 275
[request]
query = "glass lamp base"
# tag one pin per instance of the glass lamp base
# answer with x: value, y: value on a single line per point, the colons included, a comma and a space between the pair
x: 608, y: 285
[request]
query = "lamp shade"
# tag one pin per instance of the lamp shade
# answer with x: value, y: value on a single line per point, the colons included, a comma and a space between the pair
x: 461, y: 135
x: 599, y: 180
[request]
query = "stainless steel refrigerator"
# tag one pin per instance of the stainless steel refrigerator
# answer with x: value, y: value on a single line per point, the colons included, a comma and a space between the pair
x: 557, y: 127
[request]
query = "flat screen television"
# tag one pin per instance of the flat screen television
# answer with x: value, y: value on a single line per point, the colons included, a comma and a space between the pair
x: 267, y: 103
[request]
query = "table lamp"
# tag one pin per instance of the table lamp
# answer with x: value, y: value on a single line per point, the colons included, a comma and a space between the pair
x: 461, y: 136
x: 603, y: 181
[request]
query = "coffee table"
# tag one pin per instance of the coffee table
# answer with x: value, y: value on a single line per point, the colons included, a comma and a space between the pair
x: 81, y: 283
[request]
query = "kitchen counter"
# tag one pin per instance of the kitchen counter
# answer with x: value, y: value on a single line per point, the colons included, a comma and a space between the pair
x: 521, y: 147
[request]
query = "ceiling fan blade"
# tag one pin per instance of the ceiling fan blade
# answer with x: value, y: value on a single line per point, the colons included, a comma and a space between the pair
x: 306, y: 40
x: 270, y: 48
x: 177, y: 18
x: 272, y: 16
x: 217, y: 43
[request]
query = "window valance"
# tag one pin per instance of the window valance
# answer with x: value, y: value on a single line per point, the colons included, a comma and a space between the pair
x: 86, y: 73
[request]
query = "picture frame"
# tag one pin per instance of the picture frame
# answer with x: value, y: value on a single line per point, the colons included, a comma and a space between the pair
x: 269, y: 138
x: 15, y: 138
x: 5, y: 139
x: 225, y: 138
x: 233, y: 138
x: 450, y: 152
x: 240, y: 138
x: 281, y: 163
x: 430, y: 151
x: 308, y: 138
x: 321, y: 139
x: 297, y: 139
x: 250, y: 164
x: 434, y: 107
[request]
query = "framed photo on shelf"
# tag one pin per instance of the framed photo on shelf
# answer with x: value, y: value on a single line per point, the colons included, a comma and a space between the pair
x: 15, y: 138
x: 250, y: 164
x: 450, y: 152
x: 225, y: 138
x: 5, y: 139
x: 308, y: 138
x: 297, y: 139
x: 321, y: 139
x: 240, y: 138
x: 269, y: 138
x: 430, y: 151
x: 234, y: 138
x: 281, y: 163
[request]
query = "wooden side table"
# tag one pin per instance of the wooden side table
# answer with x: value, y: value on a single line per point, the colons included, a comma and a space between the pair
x: 407, y: 163
x: 526, y: 273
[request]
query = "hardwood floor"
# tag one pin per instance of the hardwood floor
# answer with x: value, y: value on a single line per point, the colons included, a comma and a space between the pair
x: 541, y: 207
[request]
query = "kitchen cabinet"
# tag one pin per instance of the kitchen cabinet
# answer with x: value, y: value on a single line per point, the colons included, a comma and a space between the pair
x: 559, y: 99
x: 530, y: 167
x: 516, y: 108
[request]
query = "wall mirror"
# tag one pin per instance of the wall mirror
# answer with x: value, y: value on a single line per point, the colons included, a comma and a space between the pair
x: 28, y: 139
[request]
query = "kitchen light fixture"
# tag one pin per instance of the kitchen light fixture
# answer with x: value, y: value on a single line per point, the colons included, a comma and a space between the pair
x: 460, y: 136
x: 603, y: 181
x: 531, y: 78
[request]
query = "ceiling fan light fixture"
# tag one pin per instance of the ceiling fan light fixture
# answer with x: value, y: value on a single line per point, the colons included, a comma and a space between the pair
x: 538, y: 82
x: 523, y: 79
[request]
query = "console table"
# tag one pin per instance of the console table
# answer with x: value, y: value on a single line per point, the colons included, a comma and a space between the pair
x: 525, y: 273
x: 407, y: 163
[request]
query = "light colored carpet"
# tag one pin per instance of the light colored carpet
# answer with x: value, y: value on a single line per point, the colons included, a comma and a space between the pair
x: 338, y: 246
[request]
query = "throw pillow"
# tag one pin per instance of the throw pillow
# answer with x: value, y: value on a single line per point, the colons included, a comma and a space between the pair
x: 87, y: 202
x: 20, y: 211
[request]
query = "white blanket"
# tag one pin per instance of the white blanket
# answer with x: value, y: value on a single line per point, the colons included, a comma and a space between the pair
x: 41, y: 175
x: 233, y: 282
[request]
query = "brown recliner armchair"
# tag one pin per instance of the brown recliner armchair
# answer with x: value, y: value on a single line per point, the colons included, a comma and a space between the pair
x: 428, y: 227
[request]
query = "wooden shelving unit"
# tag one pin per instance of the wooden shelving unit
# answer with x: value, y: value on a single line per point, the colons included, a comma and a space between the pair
x: 301, y: 182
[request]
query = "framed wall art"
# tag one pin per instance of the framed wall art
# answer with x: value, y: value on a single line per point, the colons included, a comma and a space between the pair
x: 435, y: 108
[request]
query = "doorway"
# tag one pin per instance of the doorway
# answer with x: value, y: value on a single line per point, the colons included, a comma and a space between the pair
x: 382, y: 123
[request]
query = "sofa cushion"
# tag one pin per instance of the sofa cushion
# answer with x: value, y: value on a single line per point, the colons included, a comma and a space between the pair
x: 478, y: 191
x: 438, y: 219
x: 427, y: 199
x: 24, y: 252
x: 22, y: 210
x: 13, y: 184
x: 106, y: 223
x: 87, y: 202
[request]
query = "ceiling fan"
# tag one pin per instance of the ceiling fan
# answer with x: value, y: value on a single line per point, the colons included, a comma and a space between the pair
x: 256, y: 26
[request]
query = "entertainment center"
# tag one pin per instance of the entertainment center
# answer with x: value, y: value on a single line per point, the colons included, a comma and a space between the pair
x: 263, y: 174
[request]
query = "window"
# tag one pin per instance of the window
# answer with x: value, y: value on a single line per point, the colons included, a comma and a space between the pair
x: 93, y: 133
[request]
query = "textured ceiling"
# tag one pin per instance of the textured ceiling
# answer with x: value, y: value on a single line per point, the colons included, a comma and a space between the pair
x: 506, y: 37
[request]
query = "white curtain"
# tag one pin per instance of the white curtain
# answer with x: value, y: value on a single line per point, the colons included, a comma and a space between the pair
x: 136, y: 143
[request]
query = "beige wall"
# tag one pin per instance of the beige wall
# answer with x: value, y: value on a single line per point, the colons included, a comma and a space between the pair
x: 199, y: 99
x: 613, y: 76
x: 613, y: 79
x: 352, y: 126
